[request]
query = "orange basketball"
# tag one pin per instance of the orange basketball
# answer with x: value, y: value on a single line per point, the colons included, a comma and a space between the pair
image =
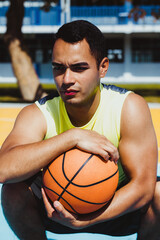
x: 81, y: 181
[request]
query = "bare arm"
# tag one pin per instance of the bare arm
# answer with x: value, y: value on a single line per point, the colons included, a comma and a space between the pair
x: 24, y: 152
x: 138, y: 152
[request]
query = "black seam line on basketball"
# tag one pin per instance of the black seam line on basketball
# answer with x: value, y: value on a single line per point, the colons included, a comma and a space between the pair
x: 94, y: 203
x: 92, y: 184
x: 61, y: 198
x: 71, y: 193
x: 70, y: 181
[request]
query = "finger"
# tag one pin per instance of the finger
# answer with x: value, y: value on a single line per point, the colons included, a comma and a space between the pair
x: 58, y: 206
x: 105, y: 155
x: 48, y: 206
x: 60, y: 209
x: 109, y: 155
x: 113, y: 154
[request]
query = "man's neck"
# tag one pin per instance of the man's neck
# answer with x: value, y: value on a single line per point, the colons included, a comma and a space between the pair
x: 81, y: 115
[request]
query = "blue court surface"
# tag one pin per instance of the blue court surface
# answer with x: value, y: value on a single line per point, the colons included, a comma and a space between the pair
x: 7, y: 234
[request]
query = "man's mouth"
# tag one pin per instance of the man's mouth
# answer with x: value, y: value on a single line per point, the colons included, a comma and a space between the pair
x: 70, y: 92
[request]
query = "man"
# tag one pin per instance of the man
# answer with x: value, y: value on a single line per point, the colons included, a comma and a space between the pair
x: 108, y: 121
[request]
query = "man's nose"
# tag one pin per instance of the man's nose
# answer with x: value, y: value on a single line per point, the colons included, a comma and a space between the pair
x: 68, y: 76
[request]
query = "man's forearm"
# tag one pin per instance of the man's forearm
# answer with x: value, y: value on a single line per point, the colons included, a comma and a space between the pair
x: 127, y: 199
x: 23, y: 161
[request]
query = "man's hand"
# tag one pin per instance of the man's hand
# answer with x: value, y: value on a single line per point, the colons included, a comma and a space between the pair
x: 59, y: 214
x: 96, y: 143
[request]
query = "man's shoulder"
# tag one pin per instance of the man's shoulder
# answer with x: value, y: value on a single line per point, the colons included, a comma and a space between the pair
x: 135, y: 103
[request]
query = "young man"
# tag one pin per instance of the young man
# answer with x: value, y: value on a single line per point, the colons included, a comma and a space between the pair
x: 103, y: 120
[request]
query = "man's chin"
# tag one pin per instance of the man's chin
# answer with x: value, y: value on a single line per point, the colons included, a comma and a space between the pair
x: 74, y: 102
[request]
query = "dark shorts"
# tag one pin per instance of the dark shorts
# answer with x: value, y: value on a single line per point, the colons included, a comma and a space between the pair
x: 122, y: 226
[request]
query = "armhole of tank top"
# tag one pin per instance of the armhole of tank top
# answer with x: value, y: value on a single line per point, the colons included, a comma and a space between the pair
x: 119, y: 111
x: 44, y: 112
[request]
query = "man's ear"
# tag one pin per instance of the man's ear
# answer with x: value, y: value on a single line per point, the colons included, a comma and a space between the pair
x: 103, y: 67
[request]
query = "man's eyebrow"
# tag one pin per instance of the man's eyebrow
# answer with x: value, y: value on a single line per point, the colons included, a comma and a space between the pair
x: 56, y: 64
x: 80, y: 64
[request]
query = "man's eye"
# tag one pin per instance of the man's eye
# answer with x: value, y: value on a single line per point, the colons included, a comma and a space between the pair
x: 58, y: 68
x: 78, y: 69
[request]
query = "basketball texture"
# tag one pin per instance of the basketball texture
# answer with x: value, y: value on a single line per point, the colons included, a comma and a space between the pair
x: 81, y: 181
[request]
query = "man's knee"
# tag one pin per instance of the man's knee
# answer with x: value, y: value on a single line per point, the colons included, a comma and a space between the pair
x: 14, y: 196
x: 21, y: 211
x: 8, y: 194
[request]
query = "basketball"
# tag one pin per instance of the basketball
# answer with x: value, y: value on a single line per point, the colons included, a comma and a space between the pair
x: 81, y: 181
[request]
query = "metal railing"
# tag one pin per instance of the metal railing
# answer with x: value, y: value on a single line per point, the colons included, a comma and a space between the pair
x: 36, y: 16
x: 104, y: 15
x: 99, y: 15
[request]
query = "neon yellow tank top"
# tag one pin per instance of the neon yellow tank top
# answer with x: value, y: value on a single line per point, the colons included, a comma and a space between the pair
x: 105, y: 121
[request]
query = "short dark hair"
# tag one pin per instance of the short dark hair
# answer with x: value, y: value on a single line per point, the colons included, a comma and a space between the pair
x: 78, y: 30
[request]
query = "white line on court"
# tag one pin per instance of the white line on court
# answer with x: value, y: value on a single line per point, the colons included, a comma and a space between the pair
x: 7, y: 119
x: 154, y: 105
x: 14, y: 105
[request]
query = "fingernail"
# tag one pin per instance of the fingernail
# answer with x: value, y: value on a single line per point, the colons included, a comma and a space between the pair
x: 56, y: 204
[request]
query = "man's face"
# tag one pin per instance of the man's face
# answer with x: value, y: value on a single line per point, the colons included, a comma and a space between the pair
x: 75, y: 72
